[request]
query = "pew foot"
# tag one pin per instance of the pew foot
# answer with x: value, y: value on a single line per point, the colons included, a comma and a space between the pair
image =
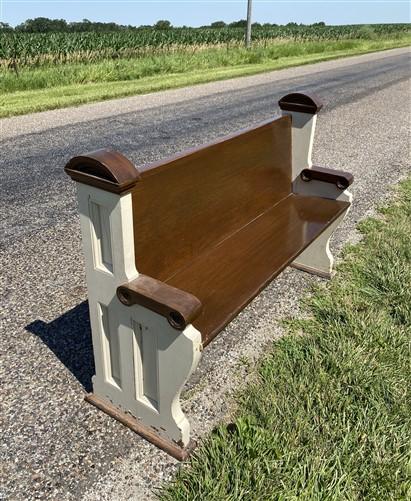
x: 168, y: 446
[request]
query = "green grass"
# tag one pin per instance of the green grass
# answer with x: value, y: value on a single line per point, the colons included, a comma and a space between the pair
x: 329, y: 416
x: 60, y: 86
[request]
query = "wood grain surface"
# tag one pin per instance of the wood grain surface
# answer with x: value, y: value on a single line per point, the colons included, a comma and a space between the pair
x: 228, y: 276
x: 220, y: 221
x: 188, y: 204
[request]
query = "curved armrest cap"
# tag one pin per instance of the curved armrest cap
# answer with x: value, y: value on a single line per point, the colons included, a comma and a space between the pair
x: 301, y: 102
x: 105, y: 169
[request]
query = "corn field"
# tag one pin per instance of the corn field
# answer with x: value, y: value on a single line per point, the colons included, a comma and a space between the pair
x: 19, y: 49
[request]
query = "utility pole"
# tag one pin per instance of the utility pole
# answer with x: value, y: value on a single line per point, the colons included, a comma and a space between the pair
x: 248, y: 34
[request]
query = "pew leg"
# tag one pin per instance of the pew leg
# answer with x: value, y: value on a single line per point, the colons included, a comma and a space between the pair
x: 154, y: 361
x: 317, y: 257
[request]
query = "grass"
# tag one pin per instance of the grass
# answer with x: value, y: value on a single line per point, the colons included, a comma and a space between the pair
x: 329, y: 416
x: 51, y: 87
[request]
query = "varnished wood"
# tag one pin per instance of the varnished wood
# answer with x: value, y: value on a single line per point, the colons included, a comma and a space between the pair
x: 340, y: 178
x: 175, y: 450
x: 213, y: 225
x: 105, y: 169
x: 179, y: 307
x: 185, y: 205
x: 228, y: 276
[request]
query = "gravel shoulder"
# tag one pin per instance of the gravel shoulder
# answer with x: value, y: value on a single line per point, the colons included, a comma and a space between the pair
x: 55, y: 446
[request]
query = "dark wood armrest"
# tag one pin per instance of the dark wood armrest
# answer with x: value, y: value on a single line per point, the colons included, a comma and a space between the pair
x: 302, y: 102
x: 338, y: 177
x: 179, y: 307
x: 105, y: 169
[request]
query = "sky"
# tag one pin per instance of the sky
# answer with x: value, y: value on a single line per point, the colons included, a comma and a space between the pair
x: 201, y: 12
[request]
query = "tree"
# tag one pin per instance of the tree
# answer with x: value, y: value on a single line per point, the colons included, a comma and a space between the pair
x: 5, y: 27
x: 42, y: 25
x: 86, y: 25
x: 218, y: 24
x: 162, y: 25
x: 242, y: 23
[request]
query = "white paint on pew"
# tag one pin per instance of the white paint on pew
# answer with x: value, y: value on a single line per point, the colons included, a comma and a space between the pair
x: 142, y: 363
x: 317, y: 257
x: 302, y: 140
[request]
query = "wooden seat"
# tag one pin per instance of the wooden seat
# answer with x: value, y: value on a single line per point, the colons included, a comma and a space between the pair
x: 221, y: 221
x: 229, y: 275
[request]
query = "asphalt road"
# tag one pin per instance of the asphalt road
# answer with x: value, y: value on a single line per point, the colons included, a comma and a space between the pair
x: 55, y: 446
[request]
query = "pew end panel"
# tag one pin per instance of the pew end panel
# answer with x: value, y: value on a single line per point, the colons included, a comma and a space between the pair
x: 145, y: 348
x: 311, y: 180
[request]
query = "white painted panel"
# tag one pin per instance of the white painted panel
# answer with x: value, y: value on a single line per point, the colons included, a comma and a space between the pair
x: 107, y: 256
x: 142, y: 371
x: 145, y: 364
x: 100, y: 220
x: 302, y: 139
x: 111, y: 348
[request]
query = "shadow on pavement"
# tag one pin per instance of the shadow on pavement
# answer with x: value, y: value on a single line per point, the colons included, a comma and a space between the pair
x: 69, y: 338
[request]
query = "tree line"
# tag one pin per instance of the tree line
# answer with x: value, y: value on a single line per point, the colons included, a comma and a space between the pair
x: 46, y: 25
